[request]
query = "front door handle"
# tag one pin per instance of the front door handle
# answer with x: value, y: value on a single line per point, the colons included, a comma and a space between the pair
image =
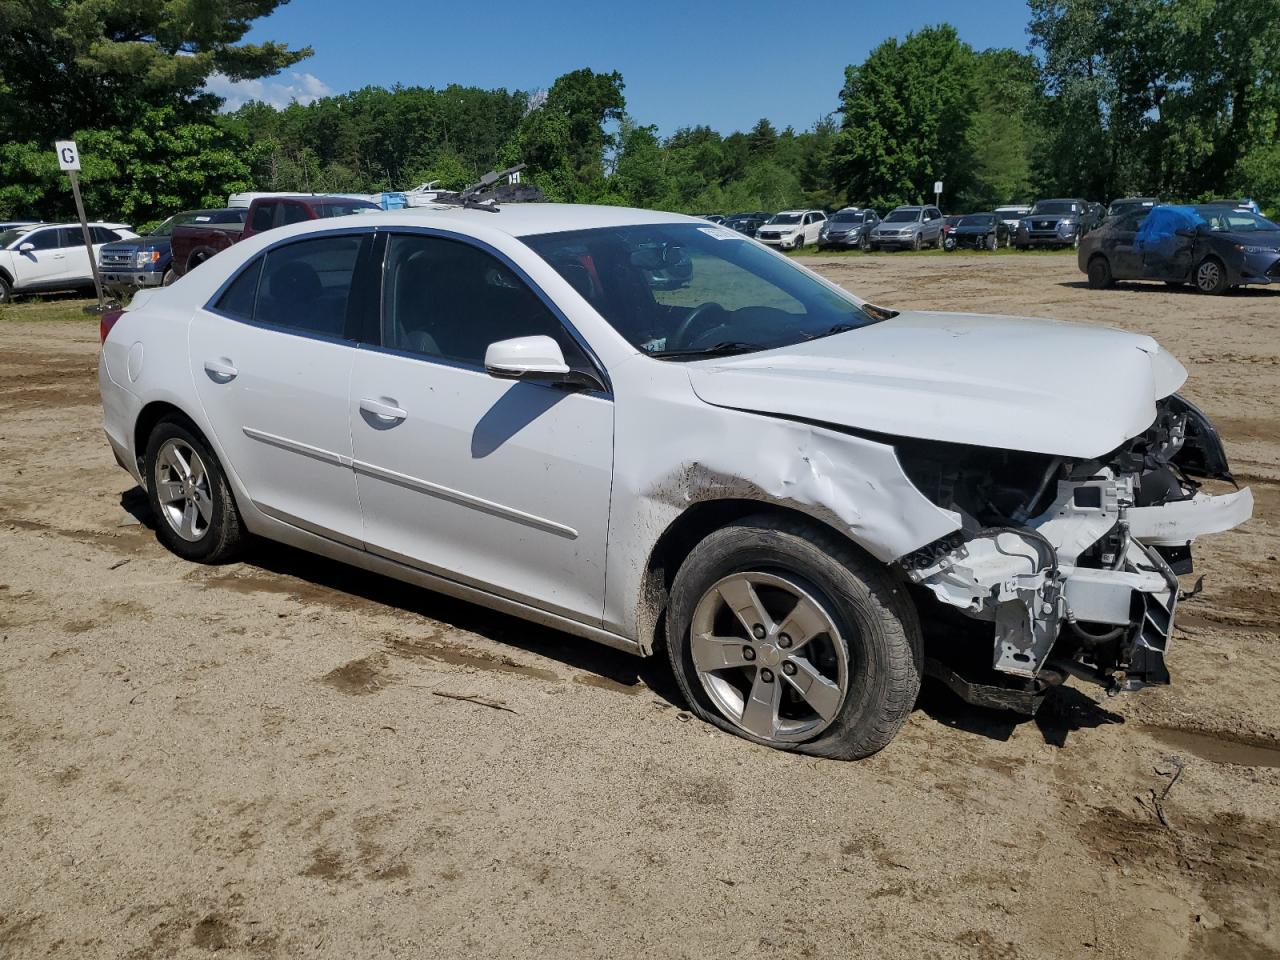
x: 385, y: 409
x: 220, y: 370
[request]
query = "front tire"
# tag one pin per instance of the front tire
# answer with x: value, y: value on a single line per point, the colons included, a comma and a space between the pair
x: 784, y: 634
x: 1211, y: 276
x: 916, y: 243
x: 196, y: 513
x: 6, y: 291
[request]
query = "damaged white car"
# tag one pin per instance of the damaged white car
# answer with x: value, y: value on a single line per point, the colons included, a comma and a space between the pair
x: 655, y: 433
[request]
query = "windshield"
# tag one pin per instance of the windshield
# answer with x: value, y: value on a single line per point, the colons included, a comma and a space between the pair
x: 978, y: 220
x: 680, y: 290
x: 902, y: 216
x: 1224, y: 220
x: 1054, y: 208
x: 177, y: 220
x: 786, y: 218
x: 9, y: 236
x: 852, y: 216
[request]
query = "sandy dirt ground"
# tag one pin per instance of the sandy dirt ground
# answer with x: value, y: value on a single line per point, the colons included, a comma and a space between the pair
x: 272, y: 759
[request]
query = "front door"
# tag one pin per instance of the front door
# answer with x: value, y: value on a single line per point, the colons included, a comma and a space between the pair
x: 45, y: 265
x: 271, y: 359
x: 495, y: 483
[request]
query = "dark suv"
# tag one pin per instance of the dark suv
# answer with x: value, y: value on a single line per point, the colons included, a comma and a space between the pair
x: 1053, y: 223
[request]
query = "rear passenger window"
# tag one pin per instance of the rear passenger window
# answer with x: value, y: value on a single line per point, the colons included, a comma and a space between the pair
x: 305, y: 285
x: 237, y: 300
x: 294, y: 213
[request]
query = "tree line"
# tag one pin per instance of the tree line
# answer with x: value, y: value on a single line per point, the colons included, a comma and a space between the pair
x: 1177, y: 98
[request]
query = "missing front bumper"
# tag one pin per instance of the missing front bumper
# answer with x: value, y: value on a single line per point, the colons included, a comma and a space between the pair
x: 1050, y: 613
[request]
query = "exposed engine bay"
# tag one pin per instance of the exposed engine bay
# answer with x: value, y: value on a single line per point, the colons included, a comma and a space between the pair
x: 1073, y: 563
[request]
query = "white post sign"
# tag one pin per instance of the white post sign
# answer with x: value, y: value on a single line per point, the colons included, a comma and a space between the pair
x: 937, y: 192
x: 68, y: 155
x: 69, y: 160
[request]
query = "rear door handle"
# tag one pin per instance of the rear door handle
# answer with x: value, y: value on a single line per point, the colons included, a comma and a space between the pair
x: 383, y: 409
x: 220, y: 370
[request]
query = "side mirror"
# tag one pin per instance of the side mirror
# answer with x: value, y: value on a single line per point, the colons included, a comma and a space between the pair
x: 537, y: 358
x: 26, y: 247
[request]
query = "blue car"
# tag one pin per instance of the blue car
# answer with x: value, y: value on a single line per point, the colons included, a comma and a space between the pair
x: 147, y: 261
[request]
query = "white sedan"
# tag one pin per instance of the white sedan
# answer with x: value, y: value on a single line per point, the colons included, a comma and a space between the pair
x: 655, y: 433
x: 45, y: 257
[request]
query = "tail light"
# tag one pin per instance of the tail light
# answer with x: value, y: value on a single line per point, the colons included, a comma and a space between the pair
x: 108, y: 321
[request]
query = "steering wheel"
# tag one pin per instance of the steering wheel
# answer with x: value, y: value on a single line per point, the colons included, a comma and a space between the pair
x: 680, y: 338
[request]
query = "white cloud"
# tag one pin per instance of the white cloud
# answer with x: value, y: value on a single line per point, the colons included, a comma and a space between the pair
x: 279, y: 91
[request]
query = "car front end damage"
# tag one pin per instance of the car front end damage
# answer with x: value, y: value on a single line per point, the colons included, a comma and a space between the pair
x: 1066, y: 566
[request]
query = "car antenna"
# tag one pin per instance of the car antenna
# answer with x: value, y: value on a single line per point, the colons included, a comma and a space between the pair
x: 467, y: 197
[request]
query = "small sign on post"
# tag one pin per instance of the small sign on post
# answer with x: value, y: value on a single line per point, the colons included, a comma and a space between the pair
x: 69, y: 160
x: 937, y: 193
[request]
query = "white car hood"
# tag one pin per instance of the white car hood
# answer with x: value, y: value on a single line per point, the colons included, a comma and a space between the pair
x: 1016, y: 383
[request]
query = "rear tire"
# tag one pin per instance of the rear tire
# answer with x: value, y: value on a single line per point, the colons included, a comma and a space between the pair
x: 195, y: 510
x: 850, y: 677
x: 1100, y: 272
x: 169, y: 277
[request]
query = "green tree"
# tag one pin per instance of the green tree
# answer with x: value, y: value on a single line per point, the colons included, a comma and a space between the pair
x: 126, y: 80
x: 905, y: 118
x: 92, y: 64
x: 564, y: 140
x: 1176, y: 97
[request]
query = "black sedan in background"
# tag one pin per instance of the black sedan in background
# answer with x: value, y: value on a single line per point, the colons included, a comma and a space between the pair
x: 746, y: 223
x: 1216, y: 249
x: 978, y: 231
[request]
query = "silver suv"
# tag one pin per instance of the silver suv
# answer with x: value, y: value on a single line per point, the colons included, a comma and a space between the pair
x: 908, y: 228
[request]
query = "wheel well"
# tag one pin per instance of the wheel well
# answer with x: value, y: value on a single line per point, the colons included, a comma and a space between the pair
x: 149, y: 416
x: 678, y: 541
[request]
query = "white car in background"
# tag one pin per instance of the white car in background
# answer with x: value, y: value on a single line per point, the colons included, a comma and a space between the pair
x: 47, y: 257
x: 651, y: 432
x: 792, y: 229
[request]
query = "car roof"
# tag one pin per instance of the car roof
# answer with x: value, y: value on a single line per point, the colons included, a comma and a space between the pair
x: 92, y: 223
x: 527, y: 219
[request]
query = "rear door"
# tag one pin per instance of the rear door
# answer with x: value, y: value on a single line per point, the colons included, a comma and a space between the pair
x: 271, y: 358
x: 494, y: 483
x: 1118, y: 245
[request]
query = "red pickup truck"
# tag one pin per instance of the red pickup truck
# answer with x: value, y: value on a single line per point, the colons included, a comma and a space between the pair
x: 193, y: 244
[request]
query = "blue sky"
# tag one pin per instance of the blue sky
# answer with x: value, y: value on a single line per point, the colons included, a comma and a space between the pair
x: 723, y: 64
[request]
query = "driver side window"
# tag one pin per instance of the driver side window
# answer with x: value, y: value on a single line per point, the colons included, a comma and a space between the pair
x: 449, y: 300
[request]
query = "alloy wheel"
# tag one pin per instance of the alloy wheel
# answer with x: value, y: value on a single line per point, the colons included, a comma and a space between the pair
x: 769, y: 656
x: 182, y: 488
